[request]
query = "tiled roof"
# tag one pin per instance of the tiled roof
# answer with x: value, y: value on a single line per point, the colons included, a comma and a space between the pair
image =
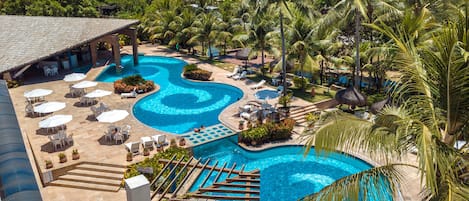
x: 27, y: 39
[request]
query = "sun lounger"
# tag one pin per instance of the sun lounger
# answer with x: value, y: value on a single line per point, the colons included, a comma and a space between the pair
x: 235, y: 72
x: 258, y: 85
x: 240, y: 76
x: 147, y: 142
x: 160, y: 140
x: 133, y: 147
x: 132, y: 94
x: 249, y: 116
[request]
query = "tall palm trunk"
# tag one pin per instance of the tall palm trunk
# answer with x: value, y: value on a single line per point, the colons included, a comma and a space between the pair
x: 284, y: 63
x: 357, y: 44
x: 321, y: 71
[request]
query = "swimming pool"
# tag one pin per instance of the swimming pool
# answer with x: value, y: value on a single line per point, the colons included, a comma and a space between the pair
x: 266, y: 94
x: 180, y: 105
x: 285, y: 173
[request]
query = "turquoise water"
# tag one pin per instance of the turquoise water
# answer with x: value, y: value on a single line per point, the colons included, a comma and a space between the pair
x: 266, y: 94
x: 180, y: 105
x: 285, y: 173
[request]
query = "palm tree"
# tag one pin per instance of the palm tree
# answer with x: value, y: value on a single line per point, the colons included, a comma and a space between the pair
x: 207, y: 31
x: 432, y: 103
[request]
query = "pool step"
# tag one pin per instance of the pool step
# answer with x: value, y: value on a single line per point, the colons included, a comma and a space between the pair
x: 209, y: 134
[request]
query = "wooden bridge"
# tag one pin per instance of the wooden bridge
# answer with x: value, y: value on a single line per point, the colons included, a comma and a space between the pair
x: 238, y: 184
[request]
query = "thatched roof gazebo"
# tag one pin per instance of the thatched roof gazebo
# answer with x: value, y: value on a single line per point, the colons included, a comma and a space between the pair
x: 350, y: 96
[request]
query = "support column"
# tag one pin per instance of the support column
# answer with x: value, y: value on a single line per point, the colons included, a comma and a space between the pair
x: 132, y: 33
x: 94, y: 54
x: 116, y: 51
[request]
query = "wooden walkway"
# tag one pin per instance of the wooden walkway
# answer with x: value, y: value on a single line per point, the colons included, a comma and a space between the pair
x: 237, y: 185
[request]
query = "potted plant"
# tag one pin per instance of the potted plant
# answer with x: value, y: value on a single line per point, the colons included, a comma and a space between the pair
x: 159, y: 147
x: 75, y: 154
x: 62, y: 158
x: 285, y: 101
x: 49, y: 164
x: 241, y: 125
x: 182, y: 142
x: 129, y: 156
x: 146, y: 151
x: 172, y: 143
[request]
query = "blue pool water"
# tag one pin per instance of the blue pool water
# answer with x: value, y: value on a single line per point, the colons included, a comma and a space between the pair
x: 266, y: 94
x: 180, y: 105
x: 285, y: 173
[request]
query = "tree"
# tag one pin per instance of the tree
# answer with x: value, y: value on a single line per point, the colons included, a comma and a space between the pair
x: 429, y: 115
x: 206, y: 31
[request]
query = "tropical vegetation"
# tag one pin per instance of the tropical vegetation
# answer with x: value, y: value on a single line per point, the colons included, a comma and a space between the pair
x: 425, y: 41
x: 133, y: 82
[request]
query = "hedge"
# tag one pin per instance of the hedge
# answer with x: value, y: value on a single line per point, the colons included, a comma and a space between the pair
x: 268, y: 132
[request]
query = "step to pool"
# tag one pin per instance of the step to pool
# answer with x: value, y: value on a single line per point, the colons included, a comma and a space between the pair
x: 209, y: 134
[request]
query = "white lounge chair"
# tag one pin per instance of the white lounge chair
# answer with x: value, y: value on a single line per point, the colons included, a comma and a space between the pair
x: 258, y: 85
x: 249, y: 116
x: 132, y: 94
x: 133, y: 147
x: 240, y: 76
x: 235, y: 72
x: 160, y: 140
x: 126, y: 131
x: 147, y: 142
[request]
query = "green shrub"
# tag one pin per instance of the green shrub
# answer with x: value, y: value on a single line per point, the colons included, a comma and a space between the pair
x: 132, y: 170
x: 258, y: 134
x: 301, y: 83
x: 133, y: 80
x: 190, y: 67
x: 198, y: 74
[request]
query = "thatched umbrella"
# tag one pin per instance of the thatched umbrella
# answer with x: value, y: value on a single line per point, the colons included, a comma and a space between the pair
x: 243, y: 54
x: 350, y: 96
x: 378, y: 106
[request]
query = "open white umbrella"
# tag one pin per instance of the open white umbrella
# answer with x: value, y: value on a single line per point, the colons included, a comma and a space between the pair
x: 112, y: 116
x: 74, y: 77
x: 49, y: 107
x: 84, y: 84
x: 37, y: 93
x: 98, y: 93
x: 55, y: 121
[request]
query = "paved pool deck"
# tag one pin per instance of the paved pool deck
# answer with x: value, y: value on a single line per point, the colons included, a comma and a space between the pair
x: 88, y: 133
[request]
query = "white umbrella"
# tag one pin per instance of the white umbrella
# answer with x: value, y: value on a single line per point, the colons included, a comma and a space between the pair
x: 55, y: 121
x: 84, y: 84
x: 98, y: 93
x: 37, y: 93
x: 112, y: 116
x: 74, y: 77
x: 49, y: 107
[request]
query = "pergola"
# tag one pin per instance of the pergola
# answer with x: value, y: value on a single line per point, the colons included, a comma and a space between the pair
x: 25, y: 40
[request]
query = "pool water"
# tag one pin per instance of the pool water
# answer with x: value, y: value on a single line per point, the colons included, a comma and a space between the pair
x: 180, y: 105
x: 266, y: 94
x: 285, y: 173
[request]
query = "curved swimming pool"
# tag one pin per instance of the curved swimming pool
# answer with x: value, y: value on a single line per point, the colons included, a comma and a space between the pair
x: 285, y: 173
x: 180, y: 105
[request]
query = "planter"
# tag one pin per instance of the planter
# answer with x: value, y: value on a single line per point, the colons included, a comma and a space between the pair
x: 159, y: 148
x: 182, y: 142
x: 63, y: 160
x: 75, y: 156
x: 146, y: 152
x: 49, y: 165
x: 241, y: 125
x: 129, y: 157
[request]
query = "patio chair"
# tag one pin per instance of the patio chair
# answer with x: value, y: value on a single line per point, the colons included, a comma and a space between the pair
x: 235, y: 72
x: 132, y: 94
x: 147, y: 142
x: 95, y: 111
x: 69, y: 139
x: 249, y: 116
x: 258, y: 85
x: 160, y: 140
x: 126, y: 131
x: 119, y: 137
x: 240, y: 76
x: 133, y: 147
x: 107, y: 136
x: 29, y: 109
x: 103, y: 107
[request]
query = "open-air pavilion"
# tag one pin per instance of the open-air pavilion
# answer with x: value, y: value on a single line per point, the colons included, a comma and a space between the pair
x: 37, y: 38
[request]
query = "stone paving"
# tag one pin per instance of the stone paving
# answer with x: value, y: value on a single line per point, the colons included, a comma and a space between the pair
x: 88, y: 133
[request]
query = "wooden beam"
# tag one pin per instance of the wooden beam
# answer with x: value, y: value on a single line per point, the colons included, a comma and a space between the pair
x: 236, y: 185
x: 186, y: 177
x: 208, y: 167
x: 174, y: 179
x: 221, y: 197
x: 219, y: 173
x: 166, y: 179
x: 243, y: 180
x: 208, y: 175
x: 161, y: 172
x: 219, y: 190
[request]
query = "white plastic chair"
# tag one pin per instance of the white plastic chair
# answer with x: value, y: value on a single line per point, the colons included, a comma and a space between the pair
x: 133, y: 147
x: 126, y: 131
x: 147, y: 142
x: 240, y: 76
x: 258, y: 85
x: 119, y: 137
x: 235, y: 72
